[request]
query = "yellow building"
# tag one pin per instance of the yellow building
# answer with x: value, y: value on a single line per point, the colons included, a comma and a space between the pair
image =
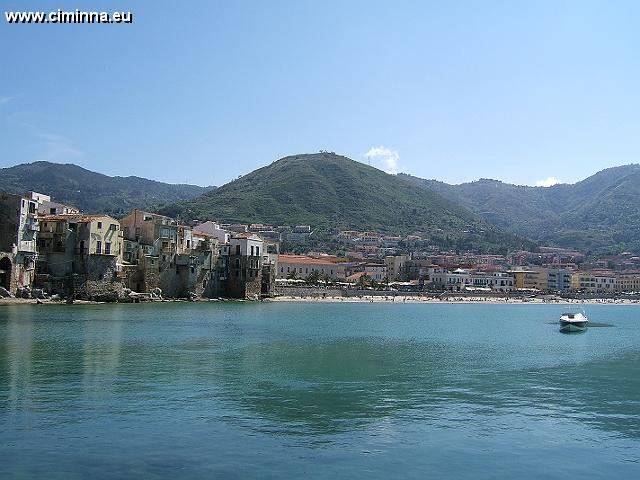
x: 80, y: 234
x: 594, y: 282
x: 531, y: 278
x: 628, y: 282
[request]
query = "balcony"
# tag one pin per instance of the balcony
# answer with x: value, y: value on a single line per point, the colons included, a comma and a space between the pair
x: 32, y: 224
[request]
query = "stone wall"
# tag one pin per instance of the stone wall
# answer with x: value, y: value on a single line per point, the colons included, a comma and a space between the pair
x: 8, y: 260
x: 239, y: 282
x: 174, y: 281
x: 101, y: 268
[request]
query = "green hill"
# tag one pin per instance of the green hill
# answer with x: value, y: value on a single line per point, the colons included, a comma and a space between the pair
x: 599, y: 214
x: 331, y: 191
x: 90, y: 191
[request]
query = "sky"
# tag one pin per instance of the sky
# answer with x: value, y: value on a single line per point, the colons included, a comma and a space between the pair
x: 524, y: 92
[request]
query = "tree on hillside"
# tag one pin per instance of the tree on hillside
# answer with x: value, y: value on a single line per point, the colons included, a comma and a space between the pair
x: 312, y: 278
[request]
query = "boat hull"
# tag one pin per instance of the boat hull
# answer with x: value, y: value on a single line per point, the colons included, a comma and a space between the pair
x: 568, y: 327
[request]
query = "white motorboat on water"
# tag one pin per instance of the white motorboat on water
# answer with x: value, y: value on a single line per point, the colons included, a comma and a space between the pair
x: 573, y: 322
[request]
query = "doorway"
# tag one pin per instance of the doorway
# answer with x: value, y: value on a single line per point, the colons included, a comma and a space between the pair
x: 5, y: 272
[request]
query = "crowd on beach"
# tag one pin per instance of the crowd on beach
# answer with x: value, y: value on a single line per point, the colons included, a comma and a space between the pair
x: 451, y: 299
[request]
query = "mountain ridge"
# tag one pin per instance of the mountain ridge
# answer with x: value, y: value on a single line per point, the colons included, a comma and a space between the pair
x: 92, y: 191
x: 595, y: 214
x: 332, y: 191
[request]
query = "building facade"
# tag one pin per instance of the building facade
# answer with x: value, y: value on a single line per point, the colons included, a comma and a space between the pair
x: 301, y: 266
x: 75, y: 249
x: 18, y: 236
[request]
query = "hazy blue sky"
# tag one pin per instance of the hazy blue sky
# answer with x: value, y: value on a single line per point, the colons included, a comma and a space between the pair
x: 518, y: 91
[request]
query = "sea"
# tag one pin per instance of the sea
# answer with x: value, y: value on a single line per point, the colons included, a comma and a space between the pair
x: 210, y: 390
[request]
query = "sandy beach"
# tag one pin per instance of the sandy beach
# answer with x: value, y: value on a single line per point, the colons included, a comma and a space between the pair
x: 453, y: 300
x: 413, y: 299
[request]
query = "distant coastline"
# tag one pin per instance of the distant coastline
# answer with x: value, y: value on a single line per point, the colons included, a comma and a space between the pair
x: 400, y: 299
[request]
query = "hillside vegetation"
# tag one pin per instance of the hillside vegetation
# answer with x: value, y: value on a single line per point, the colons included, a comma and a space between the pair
x: 331, y: 191
x: 599, y: 214
x: 91, y: 191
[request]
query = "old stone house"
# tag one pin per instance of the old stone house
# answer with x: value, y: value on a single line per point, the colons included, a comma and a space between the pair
x: 18, y: 235
x: 241, y: 266
x: 161, y: 253
x: 75, y: 249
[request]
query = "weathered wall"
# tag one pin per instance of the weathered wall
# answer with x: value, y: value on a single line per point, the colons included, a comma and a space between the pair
x: 240, y: 283
x: 100, y: 268
x: 8, y: 279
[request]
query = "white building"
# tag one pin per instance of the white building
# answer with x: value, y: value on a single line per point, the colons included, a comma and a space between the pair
x: 376, y: 271
x: 213, y: 230
x: 303, y: 266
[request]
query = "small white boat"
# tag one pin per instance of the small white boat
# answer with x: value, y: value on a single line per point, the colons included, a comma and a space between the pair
x: 573, y: 322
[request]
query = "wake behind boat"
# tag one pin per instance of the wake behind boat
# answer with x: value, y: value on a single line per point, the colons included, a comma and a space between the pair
x: 573, y: 322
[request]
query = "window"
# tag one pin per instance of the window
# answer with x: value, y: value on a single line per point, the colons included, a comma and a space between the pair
x: 113, y: 226
x: 237, y: 249
x: 257, y: 251
x: 98, y: 246
x: 52, y: 211
x: 188, y: 243
x: 107, y: 248
x: 99, y: 225
x: 252, y: 250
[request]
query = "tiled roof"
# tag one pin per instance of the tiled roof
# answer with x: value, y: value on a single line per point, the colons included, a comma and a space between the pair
x: 355, y: 277
x: 76, y: 217
x: 302, y: 260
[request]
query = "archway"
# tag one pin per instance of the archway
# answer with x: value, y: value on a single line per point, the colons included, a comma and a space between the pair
x: 5, y: 272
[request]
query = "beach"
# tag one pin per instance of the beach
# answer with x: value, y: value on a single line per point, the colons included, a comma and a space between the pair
x: 413, y: 299
x: 452, y: 299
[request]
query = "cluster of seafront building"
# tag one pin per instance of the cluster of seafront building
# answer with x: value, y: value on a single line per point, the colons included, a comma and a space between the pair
x: 51, y: 247
x: 55, y: 248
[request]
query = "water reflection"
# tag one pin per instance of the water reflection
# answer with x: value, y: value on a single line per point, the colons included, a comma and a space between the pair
x: 16, y: 353
x: 109, y: 362
x: 327, y: 388
x: 101, y: 354
x: 333, y: 386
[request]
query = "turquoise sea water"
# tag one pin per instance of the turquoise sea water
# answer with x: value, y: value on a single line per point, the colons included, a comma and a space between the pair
x: 293, y: 390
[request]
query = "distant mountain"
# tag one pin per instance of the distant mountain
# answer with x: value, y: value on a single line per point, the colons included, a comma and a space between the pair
x: 331, y: 191
x: 90, y: 191
x: 599, y: 214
